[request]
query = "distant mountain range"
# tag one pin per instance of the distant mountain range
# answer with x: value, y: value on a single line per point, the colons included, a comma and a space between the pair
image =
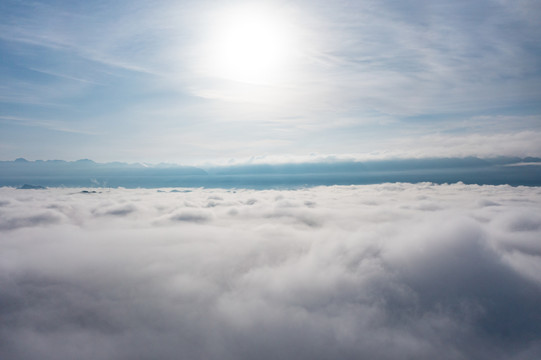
x: 86, y: 167
x: 85, y: 172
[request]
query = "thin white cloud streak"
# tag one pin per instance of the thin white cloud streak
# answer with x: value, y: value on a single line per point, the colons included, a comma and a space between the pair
x: 428, y: 58
x: 372, y: 55
x: 89, y: 35
x: 382, y: 272
x: 64, y: 76
x: 522, y: 144
x: 51, y: 125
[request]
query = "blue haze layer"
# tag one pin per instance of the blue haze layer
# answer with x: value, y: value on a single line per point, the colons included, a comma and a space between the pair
x: 86, y: 173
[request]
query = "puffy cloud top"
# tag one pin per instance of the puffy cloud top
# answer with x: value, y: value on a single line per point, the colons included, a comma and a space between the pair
x: 346, y: 272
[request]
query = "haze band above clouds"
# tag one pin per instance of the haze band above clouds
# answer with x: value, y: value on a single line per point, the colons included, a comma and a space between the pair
x: 345, y: 272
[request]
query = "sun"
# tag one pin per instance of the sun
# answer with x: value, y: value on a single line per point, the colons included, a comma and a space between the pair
x: 249, y: 44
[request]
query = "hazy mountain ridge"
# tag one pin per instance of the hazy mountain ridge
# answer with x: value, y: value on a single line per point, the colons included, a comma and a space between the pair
x: 87, y: 167
x: 86, y: 172
x: 21, y: 165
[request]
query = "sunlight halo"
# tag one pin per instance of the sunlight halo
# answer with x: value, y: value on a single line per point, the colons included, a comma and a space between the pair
x: 249, y: 44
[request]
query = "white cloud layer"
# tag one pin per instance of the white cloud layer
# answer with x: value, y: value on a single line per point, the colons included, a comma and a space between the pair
x: 387, y: 271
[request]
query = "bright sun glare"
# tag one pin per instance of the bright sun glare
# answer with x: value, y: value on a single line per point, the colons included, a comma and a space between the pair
x: 249, y: 44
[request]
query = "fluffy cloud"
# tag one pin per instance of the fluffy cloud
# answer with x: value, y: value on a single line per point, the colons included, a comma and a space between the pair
x: 382, y: 271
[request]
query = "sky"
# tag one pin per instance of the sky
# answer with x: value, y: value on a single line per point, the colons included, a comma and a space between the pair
x: 388, y: 271
x: 299, y: 271
x: 195, y: 82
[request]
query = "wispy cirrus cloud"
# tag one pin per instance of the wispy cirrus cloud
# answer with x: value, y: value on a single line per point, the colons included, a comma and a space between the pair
x: 51, y: 125
x: 358, y: 75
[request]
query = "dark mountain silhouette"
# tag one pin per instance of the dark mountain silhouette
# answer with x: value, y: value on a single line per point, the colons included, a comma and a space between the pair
x: 31, y: 187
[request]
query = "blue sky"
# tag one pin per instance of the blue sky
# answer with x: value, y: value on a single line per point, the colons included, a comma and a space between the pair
x: 215, y: 81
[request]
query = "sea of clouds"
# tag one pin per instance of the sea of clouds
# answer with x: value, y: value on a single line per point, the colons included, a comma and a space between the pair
x: 389, y: 271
